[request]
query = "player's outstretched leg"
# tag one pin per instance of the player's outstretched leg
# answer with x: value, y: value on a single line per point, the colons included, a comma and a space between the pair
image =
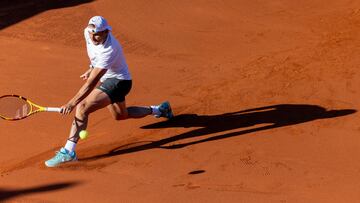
x: 119, y: 111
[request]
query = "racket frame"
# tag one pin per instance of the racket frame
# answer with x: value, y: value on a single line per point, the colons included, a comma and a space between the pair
x: 32, y: 105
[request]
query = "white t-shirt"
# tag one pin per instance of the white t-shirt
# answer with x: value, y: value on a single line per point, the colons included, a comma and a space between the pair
x: 108, y: 56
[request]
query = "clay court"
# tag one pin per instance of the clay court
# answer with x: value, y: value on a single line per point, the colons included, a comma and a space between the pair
x: 266, y: 96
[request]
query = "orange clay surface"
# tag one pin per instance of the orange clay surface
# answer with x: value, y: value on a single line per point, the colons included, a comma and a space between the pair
x: 265, y: 93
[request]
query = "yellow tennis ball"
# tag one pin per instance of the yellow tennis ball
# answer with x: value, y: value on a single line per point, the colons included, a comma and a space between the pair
x: 83, y: 134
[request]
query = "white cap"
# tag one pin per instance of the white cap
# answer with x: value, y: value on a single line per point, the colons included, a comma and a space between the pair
x: 100, y: 24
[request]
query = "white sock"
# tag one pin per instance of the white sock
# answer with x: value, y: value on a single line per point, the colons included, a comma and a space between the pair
x: 70, y: 146
x: 155, y: 110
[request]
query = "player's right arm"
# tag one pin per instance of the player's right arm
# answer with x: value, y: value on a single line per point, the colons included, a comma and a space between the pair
x: 88, y: 86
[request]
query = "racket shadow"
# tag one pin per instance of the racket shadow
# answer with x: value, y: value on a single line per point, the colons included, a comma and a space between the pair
x: 246, y: 121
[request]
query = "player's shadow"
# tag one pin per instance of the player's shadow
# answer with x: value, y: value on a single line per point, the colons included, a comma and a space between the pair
x: 5, y: 195
x: 246, y: 121
x: 14, y: 11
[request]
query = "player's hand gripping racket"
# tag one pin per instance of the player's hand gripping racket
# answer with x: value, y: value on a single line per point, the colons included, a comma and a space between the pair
x: 15, y: 107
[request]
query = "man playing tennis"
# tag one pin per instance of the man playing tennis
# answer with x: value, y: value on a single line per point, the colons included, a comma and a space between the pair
x: 108, y: 66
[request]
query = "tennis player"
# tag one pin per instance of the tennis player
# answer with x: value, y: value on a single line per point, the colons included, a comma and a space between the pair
x: 108, y: 68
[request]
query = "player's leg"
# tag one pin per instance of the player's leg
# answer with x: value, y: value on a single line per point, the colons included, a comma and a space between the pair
x: 97, y: 99
x: 119, y: 111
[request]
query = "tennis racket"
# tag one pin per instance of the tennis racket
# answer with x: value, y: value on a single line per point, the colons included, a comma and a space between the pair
x: 15, y: 107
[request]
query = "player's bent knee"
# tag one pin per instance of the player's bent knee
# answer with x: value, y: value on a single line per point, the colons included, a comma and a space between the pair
x: 82, y: 109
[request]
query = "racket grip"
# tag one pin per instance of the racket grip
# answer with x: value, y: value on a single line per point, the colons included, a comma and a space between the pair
x: 53, y: 109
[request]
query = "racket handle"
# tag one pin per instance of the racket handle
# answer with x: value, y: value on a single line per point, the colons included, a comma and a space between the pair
x: 53, y: 109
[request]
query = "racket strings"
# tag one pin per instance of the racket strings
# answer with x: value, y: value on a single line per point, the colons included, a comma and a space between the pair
x: 14, y: 107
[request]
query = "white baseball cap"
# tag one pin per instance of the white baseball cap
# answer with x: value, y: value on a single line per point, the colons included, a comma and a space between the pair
x: 100, y: 24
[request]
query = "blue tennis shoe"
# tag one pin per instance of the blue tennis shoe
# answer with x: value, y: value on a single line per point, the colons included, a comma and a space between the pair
x: 61, y: 156
x: 165, y: 110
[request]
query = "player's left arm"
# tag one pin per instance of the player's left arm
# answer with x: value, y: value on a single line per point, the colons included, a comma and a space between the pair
x: 85, y: 90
